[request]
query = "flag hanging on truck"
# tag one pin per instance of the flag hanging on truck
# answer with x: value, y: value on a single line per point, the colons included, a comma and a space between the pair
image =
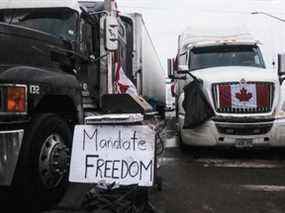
x: 197, y: 107
x: 123, y: 85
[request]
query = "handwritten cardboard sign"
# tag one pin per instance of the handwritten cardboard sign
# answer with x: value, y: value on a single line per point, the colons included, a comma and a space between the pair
x: 121, y: 154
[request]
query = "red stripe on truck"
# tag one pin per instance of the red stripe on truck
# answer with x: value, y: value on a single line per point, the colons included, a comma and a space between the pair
x: 225, y: 96
x: 262, y: 95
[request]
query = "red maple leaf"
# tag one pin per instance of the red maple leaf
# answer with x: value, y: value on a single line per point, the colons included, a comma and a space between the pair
x: 243, y: 95
x: 123, y: 88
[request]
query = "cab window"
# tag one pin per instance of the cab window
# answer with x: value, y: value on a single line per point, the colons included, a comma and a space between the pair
x: 86, y: 38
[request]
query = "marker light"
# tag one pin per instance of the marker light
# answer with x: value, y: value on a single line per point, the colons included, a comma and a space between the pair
x: 16, y: 99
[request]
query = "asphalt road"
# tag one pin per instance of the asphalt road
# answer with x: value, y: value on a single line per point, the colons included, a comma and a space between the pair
x: 212, y: 181
x: 205, y: 181
x: 222, y: 181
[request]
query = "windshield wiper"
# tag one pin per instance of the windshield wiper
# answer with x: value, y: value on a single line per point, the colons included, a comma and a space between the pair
x: 24, y: 17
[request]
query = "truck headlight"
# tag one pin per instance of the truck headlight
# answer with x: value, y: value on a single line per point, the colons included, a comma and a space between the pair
x: 16, y: 99
x: 280, y: 114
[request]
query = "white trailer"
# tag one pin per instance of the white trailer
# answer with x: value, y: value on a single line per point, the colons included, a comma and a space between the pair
x: 147, y: 68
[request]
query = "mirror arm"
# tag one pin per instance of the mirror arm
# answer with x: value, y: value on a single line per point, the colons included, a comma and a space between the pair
x: 99, y: 58
x: 191, y: 75
x: 173, y: 77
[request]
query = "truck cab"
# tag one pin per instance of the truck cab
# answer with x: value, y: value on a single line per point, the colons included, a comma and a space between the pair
x: 60, y: 63
x: 244, y: 93
x: 51, y: 73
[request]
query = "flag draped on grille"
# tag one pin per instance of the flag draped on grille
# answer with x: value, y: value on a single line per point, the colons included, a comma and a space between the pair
x: 123, y: 85
x: 243, y: 96
x: 196, y: 105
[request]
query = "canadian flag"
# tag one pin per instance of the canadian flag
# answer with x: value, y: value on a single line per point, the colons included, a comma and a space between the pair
x: 123, y: 85
x: 243, y: 96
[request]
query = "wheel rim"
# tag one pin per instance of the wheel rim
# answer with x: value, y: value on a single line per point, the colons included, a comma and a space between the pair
x: 53, y: 161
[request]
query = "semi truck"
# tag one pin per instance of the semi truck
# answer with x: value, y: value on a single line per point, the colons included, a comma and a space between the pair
x: 58, y: 66
x: 241, y: 97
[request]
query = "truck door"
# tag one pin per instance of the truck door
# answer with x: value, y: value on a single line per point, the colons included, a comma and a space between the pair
x: 89, y: 72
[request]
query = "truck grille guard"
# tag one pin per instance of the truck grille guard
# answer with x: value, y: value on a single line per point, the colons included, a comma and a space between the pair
x: 265, y: 107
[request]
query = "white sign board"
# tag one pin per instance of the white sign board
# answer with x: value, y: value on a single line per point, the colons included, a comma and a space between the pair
x: 121, y: 154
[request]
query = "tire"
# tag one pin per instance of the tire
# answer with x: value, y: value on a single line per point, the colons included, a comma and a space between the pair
x: 42, y: 171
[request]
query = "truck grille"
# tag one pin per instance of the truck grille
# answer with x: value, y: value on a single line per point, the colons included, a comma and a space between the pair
x: 241, y: 98
x: 260, y: 129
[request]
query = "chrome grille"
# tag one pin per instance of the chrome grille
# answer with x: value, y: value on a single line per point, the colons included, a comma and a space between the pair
x: 265, y: 108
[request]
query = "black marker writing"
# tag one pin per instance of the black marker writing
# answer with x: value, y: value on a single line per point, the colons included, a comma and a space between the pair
x: 118, y: 169
x: 87, y: 165
x: 131, y: 142
x: 95, y: 133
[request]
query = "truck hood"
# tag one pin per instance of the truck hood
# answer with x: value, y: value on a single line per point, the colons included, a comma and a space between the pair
x: 235, y: 74
x: 229, y: 74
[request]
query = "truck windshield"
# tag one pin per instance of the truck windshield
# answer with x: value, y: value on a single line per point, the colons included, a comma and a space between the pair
x: 59, y: 22
x: 215, y: 56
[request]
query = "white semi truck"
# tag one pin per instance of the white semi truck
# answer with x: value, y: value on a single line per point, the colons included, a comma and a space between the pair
x: 243, y: 96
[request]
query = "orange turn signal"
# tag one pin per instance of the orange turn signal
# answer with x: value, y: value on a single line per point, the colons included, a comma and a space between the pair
x: 16, y: 99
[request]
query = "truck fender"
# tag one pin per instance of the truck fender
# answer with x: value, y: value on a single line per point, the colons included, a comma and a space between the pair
x: 48, y: 84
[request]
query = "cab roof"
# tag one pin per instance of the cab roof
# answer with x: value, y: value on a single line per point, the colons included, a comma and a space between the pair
x: 92, y: 6
x: 191, y: 38
x: 22, y: 4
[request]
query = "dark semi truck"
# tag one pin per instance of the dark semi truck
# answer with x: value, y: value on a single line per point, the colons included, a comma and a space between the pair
x: 56, y: 67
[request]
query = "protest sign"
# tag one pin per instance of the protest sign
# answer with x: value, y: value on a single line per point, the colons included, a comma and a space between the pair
x: 121, y: 154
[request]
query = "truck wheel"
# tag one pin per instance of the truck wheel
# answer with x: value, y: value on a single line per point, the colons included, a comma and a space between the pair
x: 42, y: 171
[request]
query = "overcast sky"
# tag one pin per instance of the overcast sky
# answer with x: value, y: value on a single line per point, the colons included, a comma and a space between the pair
x: 165, y: 19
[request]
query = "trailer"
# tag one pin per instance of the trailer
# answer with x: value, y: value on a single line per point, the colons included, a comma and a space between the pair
x: 147, y: 65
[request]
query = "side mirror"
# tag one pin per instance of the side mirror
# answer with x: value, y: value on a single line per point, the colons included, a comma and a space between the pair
x: 170, y: 68
x: 281, y: 64
x: 111, y: 33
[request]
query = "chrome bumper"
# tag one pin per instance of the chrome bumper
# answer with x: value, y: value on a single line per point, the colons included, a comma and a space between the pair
x: 10, y: 146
